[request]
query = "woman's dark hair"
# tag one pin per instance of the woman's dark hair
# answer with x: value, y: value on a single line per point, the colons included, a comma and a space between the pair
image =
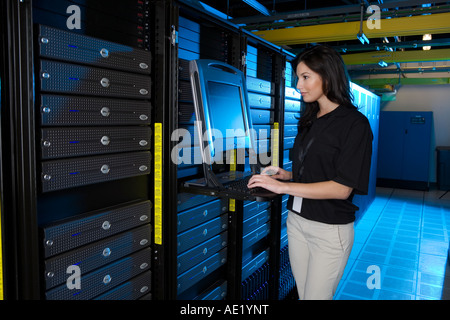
x: 336, y: 83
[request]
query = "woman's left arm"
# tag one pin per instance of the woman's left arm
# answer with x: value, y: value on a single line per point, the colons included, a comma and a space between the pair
x: 319, y: 190
x: 315, y: 190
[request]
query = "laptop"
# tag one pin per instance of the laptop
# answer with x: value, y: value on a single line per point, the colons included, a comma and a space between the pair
x: 225, y: 131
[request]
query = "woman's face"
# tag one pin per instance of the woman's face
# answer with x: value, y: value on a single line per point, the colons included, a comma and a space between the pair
x: 309, y: 83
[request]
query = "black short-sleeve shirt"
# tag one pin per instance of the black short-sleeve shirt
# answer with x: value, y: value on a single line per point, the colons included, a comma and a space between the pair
x: 337, y: 147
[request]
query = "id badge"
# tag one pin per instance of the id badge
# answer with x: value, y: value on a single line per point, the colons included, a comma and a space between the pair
x: 297, y: 204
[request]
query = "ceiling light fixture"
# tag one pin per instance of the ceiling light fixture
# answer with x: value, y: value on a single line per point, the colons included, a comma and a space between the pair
x: 382, y: 63
x: 362, y: 37
x: 426, y: 37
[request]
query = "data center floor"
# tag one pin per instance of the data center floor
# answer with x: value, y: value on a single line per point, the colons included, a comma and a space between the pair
x: 402, y: 241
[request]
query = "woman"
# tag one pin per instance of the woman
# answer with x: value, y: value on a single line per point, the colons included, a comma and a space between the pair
x: 331, y: 162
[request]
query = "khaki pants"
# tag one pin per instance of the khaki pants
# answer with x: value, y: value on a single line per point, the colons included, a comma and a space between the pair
x: 318, y: 253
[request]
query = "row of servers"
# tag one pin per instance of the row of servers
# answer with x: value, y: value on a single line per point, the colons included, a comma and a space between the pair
x: 368, y: 104
x: 291, y: 117
x: 110, y: 139
x: 85, y: 140
x: 202, y: 221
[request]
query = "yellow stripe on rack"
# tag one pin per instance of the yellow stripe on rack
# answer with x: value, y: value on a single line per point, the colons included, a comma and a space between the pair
x: 275, y: 144
x: 232, y: 202
x: 158, y: 184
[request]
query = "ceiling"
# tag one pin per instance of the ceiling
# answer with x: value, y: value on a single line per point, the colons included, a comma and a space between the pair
x: 297, y: 24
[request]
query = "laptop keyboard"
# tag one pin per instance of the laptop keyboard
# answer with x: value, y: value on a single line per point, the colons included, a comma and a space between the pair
x: 241, y: 186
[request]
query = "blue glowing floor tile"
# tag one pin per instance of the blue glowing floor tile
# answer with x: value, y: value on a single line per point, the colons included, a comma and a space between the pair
x: 382, y: 236
x: 408, y: 240
x: 432, y: 264
x: 405, y: 254
x: 408, y: 233
x: 372, y: 257
x: 433, y: 236
x: 396, y: 284
x: 394, y: 295
x: 389, y: 219
x: 358, y: 276
x: 406, y: 246
x: 402, y: 262
x: 347, y: 297
x: 434, y: 247
x: 423, y: 298
x: 437, y: 223
x: 431, y: 286
x: 383, y: 230
x: 409, y: 224
x: 432, y: 220
x: 400, y: 273
x: 357, y: 291
x: 431, y: 279
x: 363, y: 267
x: 379, y: 242
x: 430, y: 291
x: 370, y: 248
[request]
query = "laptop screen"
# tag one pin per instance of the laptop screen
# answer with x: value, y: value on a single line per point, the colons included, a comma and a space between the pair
x: 222, y: 110
x: 225, y: 110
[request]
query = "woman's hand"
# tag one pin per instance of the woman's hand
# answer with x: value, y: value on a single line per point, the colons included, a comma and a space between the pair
x: 267, y: 182
x: 279, y: 173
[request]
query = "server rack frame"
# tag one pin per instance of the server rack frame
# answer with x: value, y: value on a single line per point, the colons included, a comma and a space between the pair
x: 234, y: 264
x: 181, y: 8
x: 278, y: 59
x: 166, y: 97
x: 21, y: 257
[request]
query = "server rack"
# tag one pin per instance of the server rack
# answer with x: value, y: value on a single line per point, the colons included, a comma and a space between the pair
x: 260, y: 245
x: 291, y: 116
x: 79, y: 110
x: 368, y: 104
x: 200, y: 223
x: 405, y: 149
x: 249, y: 233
